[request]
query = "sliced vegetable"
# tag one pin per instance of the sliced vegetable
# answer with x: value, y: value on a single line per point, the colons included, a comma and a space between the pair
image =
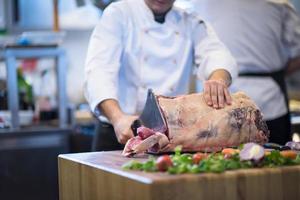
x: 252, y: 155
x: 293, y: 145
x: 267, y: 153
x: 163, y: 163
x: 274, y: 159
x: 198, y: 157
x: 230, y: 151
x: 289, y: 154
x: 252, y: 151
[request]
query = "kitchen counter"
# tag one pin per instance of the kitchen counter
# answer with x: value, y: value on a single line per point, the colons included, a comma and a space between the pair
x: 28, y: 162
x: 98, y: 175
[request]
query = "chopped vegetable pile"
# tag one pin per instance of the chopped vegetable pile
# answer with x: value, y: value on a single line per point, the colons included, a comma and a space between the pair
x: 247, y: 156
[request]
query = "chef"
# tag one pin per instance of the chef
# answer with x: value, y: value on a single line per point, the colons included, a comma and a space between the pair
x: 142, y: 44
x: 264, y: 37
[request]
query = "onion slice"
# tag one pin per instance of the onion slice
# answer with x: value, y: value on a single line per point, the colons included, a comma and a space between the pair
x: 252, y: 151
x: 293, y: 145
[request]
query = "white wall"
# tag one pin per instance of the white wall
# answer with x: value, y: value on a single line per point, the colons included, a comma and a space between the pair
x: 76, y: 43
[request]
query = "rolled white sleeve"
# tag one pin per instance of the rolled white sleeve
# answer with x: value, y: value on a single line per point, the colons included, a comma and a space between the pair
x: 291, y: 32
x: 211, y: 54
x: 103, y: 58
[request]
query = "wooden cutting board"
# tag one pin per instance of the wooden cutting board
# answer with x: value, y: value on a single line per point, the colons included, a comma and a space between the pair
x: 98, y: 175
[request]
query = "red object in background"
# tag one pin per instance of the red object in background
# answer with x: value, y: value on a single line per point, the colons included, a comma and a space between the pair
x: 29, y: 65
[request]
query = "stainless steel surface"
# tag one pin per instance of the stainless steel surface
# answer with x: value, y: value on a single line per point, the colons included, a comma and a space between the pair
x: 61, y: 88
x: 11, y: 53
x: 12, y: 86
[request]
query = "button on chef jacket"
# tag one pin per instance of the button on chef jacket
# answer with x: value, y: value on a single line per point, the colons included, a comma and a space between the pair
x: 129, y: 52
x: 262, y: 36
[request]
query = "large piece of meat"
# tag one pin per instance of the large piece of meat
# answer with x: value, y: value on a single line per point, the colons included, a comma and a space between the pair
x: 198, y: 127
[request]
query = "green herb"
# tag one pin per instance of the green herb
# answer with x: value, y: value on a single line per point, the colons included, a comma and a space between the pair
x: 297, y: 160
x: 215, y: 163
x: 178, y: 150
x: 276, y: 159
x: 149, y: 166
x: 212, y: 165
x: 241, y: 146
x: 133, y: 165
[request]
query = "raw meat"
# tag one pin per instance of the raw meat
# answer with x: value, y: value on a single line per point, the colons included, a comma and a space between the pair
x: 198, y: 127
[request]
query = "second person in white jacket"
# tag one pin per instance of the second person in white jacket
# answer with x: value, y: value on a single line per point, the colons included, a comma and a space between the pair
x: 264, y: 37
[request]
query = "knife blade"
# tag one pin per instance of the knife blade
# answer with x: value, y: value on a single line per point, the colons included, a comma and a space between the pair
x: 276, y: 146
x: 151, y: 117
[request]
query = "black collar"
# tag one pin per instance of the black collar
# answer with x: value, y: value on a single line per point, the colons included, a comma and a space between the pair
x: 160, y: 18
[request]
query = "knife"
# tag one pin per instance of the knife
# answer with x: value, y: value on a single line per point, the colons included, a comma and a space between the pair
x: 151, y: 117
x: 276, y: 146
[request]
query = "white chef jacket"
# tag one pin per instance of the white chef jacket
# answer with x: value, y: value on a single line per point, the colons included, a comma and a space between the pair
x: 129, y: 52
x: 262, y: 35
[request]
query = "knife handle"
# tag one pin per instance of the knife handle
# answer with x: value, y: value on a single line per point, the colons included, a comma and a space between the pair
x: 272, y: 146
x: 276, y: 146
x: 135, y: 125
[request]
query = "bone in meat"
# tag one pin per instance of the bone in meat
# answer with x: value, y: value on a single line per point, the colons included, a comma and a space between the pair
x: 198, y: 127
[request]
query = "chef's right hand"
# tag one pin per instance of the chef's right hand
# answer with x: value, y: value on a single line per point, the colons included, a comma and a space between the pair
x: 122, y: 127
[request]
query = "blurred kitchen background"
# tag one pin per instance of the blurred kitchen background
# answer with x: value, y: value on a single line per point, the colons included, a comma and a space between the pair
x: 53, y: 117
x: 43, y: 46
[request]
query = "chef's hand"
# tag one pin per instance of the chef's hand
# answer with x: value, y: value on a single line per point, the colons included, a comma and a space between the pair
x: 122, y: 127
x: 120, y: 121
x: 216, y: 93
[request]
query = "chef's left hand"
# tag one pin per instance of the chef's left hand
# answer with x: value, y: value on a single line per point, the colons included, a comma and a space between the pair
x: 216, y: 93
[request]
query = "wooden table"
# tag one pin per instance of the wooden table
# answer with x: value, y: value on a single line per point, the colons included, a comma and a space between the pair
x: 98, y: 175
